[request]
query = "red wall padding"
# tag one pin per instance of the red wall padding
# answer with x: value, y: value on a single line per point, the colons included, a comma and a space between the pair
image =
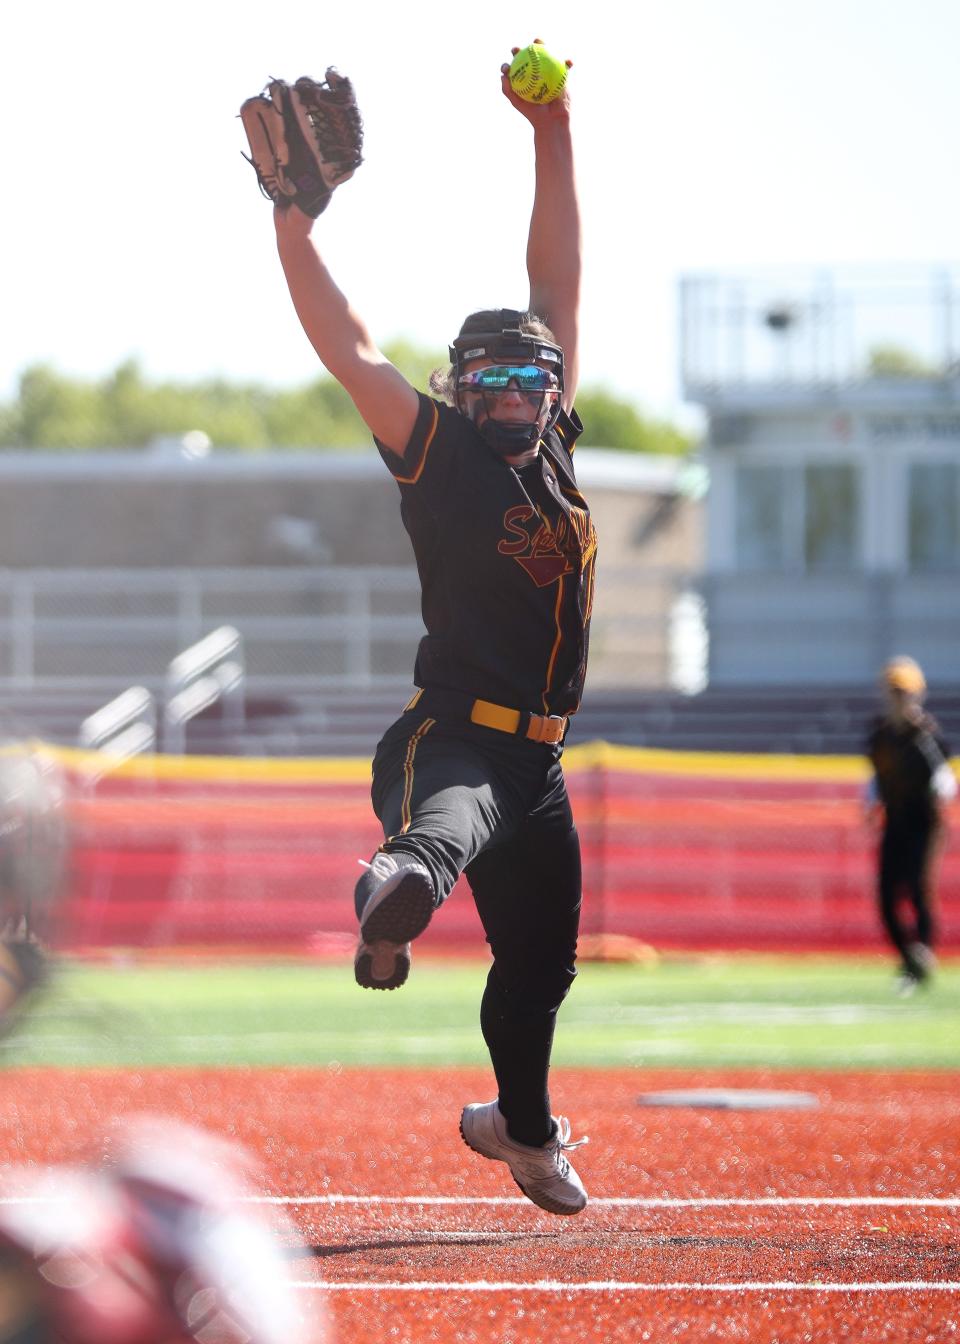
x: 672, y: 859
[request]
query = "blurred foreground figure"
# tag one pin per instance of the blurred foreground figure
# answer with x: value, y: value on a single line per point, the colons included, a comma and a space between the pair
x: 33, y: 851
x: 156, y: 1247
x: 912, y: 781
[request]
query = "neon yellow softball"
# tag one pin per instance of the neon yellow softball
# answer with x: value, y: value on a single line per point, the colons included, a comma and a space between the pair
x: 535, y: 75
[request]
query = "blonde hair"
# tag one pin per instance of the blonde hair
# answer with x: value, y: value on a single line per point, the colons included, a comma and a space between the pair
x: 904, y: 674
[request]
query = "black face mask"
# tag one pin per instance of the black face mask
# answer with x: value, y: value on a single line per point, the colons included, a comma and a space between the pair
x: 507, y: 440
x: 509, y: 345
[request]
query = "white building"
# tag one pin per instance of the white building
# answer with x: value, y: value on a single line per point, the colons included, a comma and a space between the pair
x: 833, y: 516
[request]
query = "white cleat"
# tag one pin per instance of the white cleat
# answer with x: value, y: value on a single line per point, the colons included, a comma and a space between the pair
x: 923, y: 960
x: 543, y: 1174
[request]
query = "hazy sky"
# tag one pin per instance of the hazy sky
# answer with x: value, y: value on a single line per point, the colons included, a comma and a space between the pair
x: 709, y: 135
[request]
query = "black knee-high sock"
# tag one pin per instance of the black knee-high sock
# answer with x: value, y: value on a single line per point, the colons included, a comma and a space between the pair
x: 519, y: 1037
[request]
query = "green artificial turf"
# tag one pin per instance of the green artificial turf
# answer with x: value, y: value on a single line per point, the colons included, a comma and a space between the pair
x: 696, y: 1012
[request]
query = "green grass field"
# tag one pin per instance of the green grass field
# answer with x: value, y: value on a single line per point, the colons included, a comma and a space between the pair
x: 693, y: 1012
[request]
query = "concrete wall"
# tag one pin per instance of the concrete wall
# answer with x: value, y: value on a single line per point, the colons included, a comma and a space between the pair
x: 119, y: 510
x: 297, y: 512
x: 112, y: 509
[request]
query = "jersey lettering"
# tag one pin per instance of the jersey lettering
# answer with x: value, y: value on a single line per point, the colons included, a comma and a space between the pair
x: 546, y: 553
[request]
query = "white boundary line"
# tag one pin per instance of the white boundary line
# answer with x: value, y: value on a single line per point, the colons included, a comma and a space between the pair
x: 625, y: 1202
x: 616, y: 1286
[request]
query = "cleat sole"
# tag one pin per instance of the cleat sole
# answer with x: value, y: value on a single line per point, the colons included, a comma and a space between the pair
x: 401, y: 912
x: 367, y: 960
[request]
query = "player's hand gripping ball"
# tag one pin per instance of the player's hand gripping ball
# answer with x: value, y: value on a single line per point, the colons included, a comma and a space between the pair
x: 535, y: 75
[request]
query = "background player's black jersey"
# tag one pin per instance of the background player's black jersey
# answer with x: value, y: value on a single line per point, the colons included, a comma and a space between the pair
x: 905, y: 758
x: 506, y: 560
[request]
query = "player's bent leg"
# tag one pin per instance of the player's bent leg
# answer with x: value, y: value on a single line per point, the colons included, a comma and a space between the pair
x: 438, y: 804
x: 518, y: 1020
x: 527, y: 893
x: 396, y: 899
x: 528, y: 896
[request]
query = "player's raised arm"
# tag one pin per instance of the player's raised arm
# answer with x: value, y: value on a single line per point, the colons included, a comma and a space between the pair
x: 387, y: 403
x: 305, y: 140
x: 554, y: 246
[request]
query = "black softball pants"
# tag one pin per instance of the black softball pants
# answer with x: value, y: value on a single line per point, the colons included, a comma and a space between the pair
x: 905, y: 870
x: 468, y: 799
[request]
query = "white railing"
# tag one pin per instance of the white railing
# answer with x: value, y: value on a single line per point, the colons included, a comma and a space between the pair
x: 104, y: 628
x: 124, y: 727
x: 209, y: 672
x: 93, y: 633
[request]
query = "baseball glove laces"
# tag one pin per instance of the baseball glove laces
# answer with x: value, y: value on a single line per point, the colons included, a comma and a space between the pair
x: 330, y: 112
x: 305, y: 139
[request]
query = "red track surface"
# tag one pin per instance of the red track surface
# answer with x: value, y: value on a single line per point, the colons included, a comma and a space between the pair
x: 641, y: 1271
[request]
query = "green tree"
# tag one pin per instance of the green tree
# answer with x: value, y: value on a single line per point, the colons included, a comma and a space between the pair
x: 611, y: 422
x: 55, y: 412
x: 414, y: 363
x: 893, y: 361
x: 125, y: 411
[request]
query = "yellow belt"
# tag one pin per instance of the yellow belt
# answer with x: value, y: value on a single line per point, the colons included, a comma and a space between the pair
x: 541, y: 727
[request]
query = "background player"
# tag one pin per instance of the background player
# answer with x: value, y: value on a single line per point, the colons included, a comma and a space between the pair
x: 912, y: 780
x: 468, y: 779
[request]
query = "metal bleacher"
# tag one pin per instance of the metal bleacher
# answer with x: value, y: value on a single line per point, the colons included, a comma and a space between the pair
x: 759, y: 719
x: 796, y: 720
x: 325, y: 667
x: 339, y: 723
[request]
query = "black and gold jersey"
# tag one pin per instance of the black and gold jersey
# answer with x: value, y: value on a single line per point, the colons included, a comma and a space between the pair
x: 506, y: 561
x: 906, y: 758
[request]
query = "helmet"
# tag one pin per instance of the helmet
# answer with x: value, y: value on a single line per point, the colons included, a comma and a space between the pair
x: 500, y: 338
x: 904, y: 674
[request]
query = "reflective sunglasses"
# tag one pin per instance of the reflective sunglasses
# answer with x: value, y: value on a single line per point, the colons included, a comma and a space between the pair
x: 498, y: 377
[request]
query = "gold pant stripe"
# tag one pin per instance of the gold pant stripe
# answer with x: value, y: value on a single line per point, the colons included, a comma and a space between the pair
x: 406, y: 814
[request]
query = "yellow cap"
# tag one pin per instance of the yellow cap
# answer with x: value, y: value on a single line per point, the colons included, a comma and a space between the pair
x: 904, y: 674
